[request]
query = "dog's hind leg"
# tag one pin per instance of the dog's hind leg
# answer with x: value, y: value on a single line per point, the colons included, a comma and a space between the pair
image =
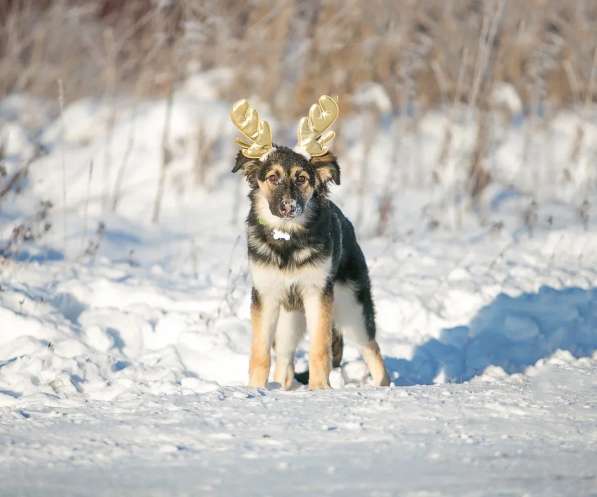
x: 337, y: 347
x: 290, y: 330
x: 374, y: 360
x: 355, y: 319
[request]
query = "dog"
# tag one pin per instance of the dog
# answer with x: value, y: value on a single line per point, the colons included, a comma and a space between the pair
x: 308, y: 271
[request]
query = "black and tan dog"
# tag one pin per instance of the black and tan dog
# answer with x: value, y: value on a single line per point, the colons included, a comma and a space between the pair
x: 308, y: 270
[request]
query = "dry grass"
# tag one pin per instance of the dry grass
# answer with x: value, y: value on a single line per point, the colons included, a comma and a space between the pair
x: 424, y: 53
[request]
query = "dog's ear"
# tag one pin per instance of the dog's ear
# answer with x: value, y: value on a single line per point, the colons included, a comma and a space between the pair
x: 326, y: 168
x: 249, y: 167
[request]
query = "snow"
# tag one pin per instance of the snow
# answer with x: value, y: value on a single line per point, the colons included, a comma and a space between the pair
x: 124, y: 344
x: 515, y: 435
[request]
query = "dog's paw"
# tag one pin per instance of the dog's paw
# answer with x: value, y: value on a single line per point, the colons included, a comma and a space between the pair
x: 319, y: 385
x: 257, y: 383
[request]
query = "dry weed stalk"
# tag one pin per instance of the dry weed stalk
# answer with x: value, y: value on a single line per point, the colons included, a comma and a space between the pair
x: 62, y: 158
x: 130, y: 142
x: 204, y: 154
x: 166, y: 155
x: 29, y: 230
x: 86, y: 210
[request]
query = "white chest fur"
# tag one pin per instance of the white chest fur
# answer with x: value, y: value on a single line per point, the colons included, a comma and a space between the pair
x: 275, y: 282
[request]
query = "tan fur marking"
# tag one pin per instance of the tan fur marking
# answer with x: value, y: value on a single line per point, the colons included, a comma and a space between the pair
x: 303, y: 254
x: 305, y: 188
x: 372, y: 356
x: 324, y: 172
x: 277, y: 168
x: 320, y: 352
x: 295, y: 172
x: 259, y: 363
x: 266, y: 186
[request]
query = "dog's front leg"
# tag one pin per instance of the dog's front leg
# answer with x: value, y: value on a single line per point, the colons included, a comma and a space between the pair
x: 319, y: 314
x: 264, y: 316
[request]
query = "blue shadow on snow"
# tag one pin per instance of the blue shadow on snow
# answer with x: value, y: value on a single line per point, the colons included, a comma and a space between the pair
x: 512, y: 333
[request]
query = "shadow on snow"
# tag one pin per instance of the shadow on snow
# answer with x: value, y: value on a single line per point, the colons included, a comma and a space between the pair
x: 512, y: 333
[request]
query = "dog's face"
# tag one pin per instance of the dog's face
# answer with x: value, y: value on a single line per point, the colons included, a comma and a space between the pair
x: 287, y: 180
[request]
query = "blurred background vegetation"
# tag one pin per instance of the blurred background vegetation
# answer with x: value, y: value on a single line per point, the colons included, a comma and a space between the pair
x: 424, y: 53
x: 461, y: 94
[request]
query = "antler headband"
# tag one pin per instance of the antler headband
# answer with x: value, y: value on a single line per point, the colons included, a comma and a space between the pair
x: 313, y: 133
x: 257, y: 134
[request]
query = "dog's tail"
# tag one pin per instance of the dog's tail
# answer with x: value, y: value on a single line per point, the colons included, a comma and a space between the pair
x: 337, y: 351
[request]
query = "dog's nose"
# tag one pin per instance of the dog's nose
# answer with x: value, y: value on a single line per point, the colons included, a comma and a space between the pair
x: 288, y: 207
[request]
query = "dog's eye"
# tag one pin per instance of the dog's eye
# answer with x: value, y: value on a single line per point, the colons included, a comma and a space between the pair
x: 301, y: 179
x: 273, y: 179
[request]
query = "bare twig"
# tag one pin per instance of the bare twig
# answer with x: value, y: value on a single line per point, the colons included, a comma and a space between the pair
x: 62, y: 159
x: 22, y: 172
x: 166, y: 155
x: 85, y: 237
x: 127, y: 153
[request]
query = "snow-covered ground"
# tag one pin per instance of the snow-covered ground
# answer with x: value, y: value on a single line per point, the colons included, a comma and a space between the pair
x: 521, y: 435
x: 123, y: 343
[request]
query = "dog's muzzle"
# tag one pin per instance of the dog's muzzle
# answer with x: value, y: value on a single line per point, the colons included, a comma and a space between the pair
x: 290, y: 208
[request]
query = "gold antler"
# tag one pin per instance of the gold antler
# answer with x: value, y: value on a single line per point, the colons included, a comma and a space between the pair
x: 313, y: 132
x: 257, y: 134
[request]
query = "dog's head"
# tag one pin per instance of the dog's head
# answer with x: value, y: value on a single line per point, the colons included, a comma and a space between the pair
x: 285, y: 179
